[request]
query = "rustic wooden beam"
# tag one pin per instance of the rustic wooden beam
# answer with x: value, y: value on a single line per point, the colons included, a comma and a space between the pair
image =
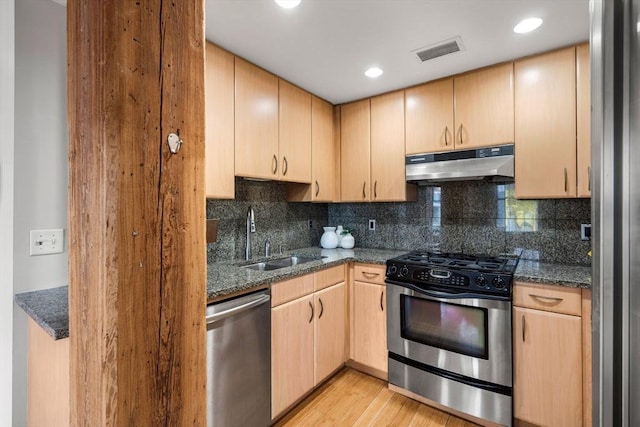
x: 136, y: 212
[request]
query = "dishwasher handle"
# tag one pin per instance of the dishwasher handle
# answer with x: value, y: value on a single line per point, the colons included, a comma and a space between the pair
x: 216, y: 317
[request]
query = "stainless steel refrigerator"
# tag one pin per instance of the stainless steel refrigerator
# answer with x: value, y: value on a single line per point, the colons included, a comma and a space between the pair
x: 615, y: 65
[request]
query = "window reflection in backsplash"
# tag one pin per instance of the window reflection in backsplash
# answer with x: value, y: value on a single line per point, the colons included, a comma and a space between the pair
x: 515, y: 215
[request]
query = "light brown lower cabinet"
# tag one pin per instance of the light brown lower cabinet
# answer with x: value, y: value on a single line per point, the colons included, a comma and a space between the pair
x: 548, y: 347
x: 47, y: 379
x: 307, y: 334
x: 369, y: 319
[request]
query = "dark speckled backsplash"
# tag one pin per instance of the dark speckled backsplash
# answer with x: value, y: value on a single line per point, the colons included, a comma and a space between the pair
x: 472, y: 216
x: 283, y: 223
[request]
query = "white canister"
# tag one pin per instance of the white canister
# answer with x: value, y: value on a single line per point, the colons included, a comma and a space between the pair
x: 329, y: 239
x: 347, y: 241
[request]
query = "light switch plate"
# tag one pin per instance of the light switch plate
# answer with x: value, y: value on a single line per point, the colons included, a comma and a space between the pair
x: 585, y: 231
x: 372, y: 225
x: 45, y: 242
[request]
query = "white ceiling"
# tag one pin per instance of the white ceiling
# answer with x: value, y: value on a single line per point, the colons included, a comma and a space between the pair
x: 324, y: 46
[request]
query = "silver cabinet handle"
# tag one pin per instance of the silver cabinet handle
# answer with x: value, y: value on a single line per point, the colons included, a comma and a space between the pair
x: 551, y: 299
x: 460, y: 133
x: 381, y: 296
x: 317, y: 188
x: 369, y: 274
x: 275, y: 164
x: 566, y: 179
x: 523, y: 328
x: 311, y: 306
x: 589, y: 178
x: 321, y: 308
x: 364, y: 193
x: 216, y: 317
x: 285, y: 164
x: 446, y: 135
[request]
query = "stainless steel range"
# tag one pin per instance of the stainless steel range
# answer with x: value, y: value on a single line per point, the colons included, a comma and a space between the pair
x: 449, y: 331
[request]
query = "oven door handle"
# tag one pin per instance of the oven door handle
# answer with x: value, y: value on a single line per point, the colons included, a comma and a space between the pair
x: 449, y: 295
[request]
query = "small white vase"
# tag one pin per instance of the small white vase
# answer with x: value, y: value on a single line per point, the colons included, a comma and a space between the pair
x: 347, y: 241
x: 329, y: 239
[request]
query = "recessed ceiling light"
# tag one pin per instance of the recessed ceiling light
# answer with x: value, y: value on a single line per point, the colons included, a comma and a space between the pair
x: 373, y: 72
x: 527, y: 25
x: 287, y: 4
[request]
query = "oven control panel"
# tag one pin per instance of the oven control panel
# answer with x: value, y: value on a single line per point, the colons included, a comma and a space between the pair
x: 472, y: 281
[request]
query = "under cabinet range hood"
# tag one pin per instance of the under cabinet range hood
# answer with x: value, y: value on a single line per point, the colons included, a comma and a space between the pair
x: 496, y: 163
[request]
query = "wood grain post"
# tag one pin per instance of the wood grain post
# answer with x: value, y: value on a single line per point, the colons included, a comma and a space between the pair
x: 136, y: 213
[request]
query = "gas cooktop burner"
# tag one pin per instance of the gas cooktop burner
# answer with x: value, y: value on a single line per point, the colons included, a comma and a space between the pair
x: 462, y: 272
x: 460, y: 261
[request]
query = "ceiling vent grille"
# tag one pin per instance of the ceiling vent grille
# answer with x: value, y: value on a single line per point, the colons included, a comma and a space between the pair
x: 439, y: 49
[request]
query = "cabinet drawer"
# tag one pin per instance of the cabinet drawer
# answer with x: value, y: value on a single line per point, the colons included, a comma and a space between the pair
x: 328, y: 277
x: 289, y: 290
x: 369, y: 273
x: 548, y: 298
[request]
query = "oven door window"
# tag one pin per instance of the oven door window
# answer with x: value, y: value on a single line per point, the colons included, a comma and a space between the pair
x: 458, y: 328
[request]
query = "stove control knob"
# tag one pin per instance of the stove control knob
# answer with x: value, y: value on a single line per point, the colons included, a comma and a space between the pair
x: 393, y: 269
x: 481, y: 281
x: 404, y: 270
x: 499, y: 282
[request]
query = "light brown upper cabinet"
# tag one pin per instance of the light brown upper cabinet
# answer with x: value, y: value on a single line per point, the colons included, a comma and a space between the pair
x: 583, y: 99
x: 545, y: 160
x: 355, y: 151
x: 294, y: 146
x: 429, y: 117
x: 273, y: 126
x: 470, y: 110
x: 372, y: 150
x: 323, y: 152
x: 256, y: 122
x: 219, y: 132
x: 388, y: 179
x: 483, y: 102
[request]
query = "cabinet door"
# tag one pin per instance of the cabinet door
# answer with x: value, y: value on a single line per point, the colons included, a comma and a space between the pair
x: 429, y: 117
x: 219, y: 132
x: 292, y: 348
x: 330, y: 307
x: 484, y: 107
x: 323, y: 164
x: 324, y: 160
x: 369, y: 325
x: 546, y: 125
x: 583, y: 120
x: 388, y: 178
x: 256, y: 122
x: 547, y: 355
x: 295, y: 134
x: 355, y: 151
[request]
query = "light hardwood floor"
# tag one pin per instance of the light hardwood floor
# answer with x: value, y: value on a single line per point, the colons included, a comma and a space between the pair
x: 352, y: 398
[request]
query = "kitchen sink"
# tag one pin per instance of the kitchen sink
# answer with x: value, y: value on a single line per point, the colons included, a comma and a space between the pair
x: 276, y: 264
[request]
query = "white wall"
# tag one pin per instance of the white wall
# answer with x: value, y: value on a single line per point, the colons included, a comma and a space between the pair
x: 6, y: 207
x: 40, y: 162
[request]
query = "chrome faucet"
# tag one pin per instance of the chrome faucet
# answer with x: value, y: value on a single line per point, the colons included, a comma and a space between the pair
x: 251, y: 228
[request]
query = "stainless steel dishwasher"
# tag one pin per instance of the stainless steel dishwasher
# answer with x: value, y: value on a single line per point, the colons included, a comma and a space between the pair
x: 239, y: 361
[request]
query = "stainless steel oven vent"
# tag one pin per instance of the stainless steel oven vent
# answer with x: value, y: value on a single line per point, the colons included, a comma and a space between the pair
x: 439, y: 49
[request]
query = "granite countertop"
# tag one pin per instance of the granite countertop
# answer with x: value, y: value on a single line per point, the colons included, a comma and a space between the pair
x: 224, y: 278
x: 49, y: 307
x: 575, y: 276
